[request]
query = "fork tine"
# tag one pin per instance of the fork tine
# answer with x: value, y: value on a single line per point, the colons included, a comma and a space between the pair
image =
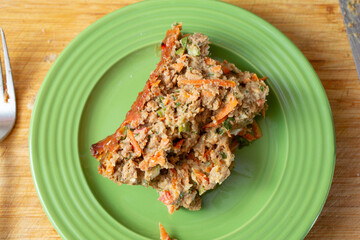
x: 9, y: 79
x: 1, y: 85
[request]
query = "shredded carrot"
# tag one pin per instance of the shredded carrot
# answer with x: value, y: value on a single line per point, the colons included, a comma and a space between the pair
x: 208, y: 169
x: 233, y: 145
x: 134, y: 143
x: 230, y: 106
x: 260, y: 102
x: 246, y: 80
x: 256, y: 129
x: 242, y: 132
x: 162, y: 118
x: 164, y: 141
x: 201, y: 176
x: 163, y: 234
x: 108, y: 170
x: 166, y: 198
x: 178, y: 66
x: 158, y: 158
x: 186, y: 94
x: 171, y: 208
x: 166, y: 101
x: 174, y: 178
x: 249, y: 137
x: 219, y: 82
x: 225, y: 69
x: 263, y: 78
x: 156, y: 83
x: 183, y: 57
x: 251, y: 134
x: 225, y: 61
x: 263, y: 112
x: 179, y: 144
x: 207, y: 153
x: 145, y: 129
x: 215, y: 123
x: 144, y: 165
x: 254, y: 77
x: 209, y: 61
x: 215, y: 69
x: 207, y: 93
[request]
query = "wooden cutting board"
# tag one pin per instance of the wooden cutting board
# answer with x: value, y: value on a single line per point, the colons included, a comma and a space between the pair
x: 37, y: 32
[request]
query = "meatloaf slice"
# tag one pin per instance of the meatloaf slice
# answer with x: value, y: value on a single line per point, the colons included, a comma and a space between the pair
x: 179, y: 134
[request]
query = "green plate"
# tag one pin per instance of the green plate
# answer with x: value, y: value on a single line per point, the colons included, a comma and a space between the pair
x: 280, y: 182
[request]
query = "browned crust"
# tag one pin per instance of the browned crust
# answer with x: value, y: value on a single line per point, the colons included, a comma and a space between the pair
x: 111, y: 143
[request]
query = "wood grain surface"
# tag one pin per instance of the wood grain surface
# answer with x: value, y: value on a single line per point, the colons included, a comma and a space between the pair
x: 37, y: 31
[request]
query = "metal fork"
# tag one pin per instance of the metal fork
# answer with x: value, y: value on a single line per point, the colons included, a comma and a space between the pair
x: 7, y: 96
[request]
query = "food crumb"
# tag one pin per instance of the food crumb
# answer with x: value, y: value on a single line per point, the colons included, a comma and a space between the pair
x: 31, y: 103
x: 356, y: 35
x: 351, y: 24
x: 50, y: 58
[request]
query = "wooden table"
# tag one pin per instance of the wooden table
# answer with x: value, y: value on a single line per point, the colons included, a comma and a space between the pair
x: 38, y: 32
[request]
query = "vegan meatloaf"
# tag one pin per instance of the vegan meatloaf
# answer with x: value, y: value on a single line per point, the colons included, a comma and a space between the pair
x: 180, y: 133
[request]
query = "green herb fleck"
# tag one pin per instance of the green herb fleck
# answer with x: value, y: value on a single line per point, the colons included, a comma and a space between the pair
x: 251, y: 131
x: 180, y: 128
x: 177, y: 104
x: 187, y: 126
x: 190, y: 68
x: 193, y: 50
x: 125, y: 131
x: 180, y: 51
x: 160, y: 112
x: 181, y: 195
x: 219, y: 131
x: 173, y: 97
x: 242, y: 141
x: 261, y: 88
x: 223, y: 155
x: 201, y: 191
x: 184, y: 42
x: 227, y: 124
